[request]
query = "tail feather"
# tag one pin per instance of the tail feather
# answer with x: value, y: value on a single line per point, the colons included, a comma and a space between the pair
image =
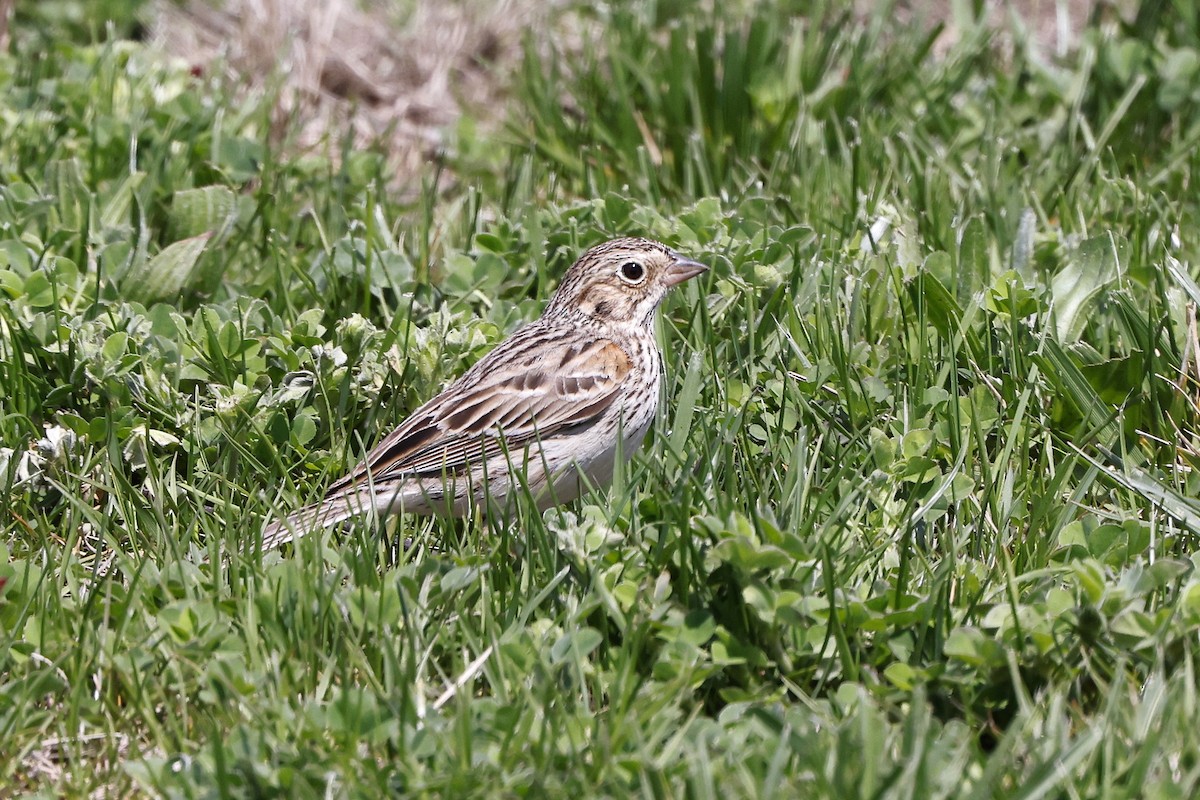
x: 323, y: 514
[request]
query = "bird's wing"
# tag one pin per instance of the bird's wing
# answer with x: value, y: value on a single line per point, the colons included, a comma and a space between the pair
x: 527, y: 389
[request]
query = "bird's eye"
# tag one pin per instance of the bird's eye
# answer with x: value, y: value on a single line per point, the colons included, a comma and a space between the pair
x: 632, y: 272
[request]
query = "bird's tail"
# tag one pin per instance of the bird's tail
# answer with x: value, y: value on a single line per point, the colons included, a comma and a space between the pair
x: 323, y: 514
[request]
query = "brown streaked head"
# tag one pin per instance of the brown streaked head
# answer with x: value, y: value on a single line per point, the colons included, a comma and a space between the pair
x: 621, y: 281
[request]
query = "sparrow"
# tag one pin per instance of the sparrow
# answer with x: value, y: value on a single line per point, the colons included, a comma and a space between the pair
x: 547, y: 412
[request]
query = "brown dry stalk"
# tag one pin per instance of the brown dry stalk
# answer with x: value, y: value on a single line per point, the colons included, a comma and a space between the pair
x: 6, y: 7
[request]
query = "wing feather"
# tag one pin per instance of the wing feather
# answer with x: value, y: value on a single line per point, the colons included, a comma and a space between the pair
x: 493, y: 408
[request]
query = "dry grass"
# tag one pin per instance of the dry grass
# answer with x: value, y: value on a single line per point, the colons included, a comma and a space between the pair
x: 401, y: 73
x: 1053, y: 25
x: 53, y: 762
x: 6, y: 8
x: 397, y: 75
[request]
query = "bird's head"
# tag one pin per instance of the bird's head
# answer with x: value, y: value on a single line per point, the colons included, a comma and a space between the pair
x: 621, y: 281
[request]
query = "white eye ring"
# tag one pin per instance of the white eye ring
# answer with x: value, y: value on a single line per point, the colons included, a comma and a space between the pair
x: 632, y: 272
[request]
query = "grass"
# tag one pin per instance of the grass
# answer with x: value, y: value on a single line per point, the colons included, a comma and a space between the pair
x: 919, y: 519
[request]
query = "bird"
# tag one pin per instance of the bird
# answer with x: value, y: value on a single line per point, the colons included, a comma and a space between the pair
x: 547, y: 411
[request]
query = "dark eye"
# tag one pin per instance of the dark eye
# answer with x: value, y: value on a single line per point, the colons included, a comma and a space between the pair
x: 632, y: 271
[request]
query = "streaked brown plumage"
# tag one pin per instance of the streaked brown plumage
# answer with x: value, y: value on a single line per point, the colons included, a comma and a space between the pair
x: 555, y: 401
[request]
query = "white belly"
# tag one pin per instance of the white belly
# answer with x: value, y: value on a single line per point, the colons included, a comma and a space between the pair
x: 597, y: 468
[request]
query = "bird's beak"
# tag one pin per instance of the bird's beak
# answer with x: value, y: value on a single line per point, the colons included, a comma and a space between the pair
x: 683, y: 269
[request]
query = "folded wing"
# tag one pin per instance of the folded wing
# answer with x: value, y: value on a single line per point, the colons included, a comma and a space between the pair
x: 505, y: 402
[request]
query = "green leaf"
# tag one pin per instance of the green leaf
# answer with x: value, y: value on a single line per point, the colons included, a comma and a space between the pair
x: 575, y: 645
x: 1093, y: 266
x: 916, y: 442
x: 115, y: 213
x: 943, y: 309
x: 901, y: 675
x: 1167, y: 497
x: 972, y: 646
x: 698, y: 627
x: 15, y: 254
x: 459, y: 578
x: 168, y: 274
x: 1060, y: 369
x: 1101, y: 540
x: 1181, y: 276
x: 114, y: 346
x: 974, y: 266
x: 1178, y: 71
x: 685, y: 407
x: 304, y: 430
x: 64, y: 179
x: 38, y: 291
x: 209, y: 209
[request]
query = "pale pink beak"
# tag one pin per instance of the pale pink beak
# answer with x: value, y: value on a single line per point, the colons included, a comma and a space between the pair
x: 681, y: 270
